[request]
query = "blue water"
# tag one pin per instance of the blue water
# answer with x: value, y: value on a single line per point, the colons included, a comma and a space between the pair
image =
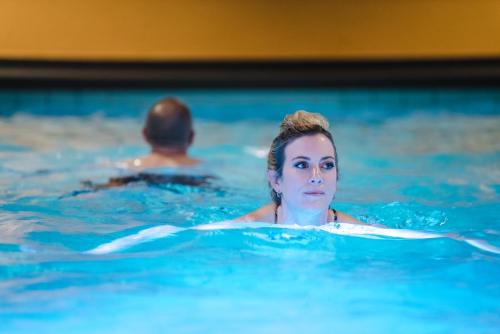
x: 425, y: 160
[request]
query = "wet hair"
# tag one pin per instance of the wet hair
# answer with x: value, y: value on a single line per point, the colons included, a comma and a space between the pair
x: 300, y: 123
x: 169, y: 123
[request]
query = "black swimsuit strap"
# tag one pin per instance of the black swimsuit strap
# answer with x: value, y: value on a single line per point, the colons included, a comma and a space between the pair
x: 335, y: 217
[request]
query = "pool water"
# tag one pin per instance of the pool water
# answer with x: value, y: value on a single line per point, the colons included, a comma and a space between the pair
x: 426, y: 160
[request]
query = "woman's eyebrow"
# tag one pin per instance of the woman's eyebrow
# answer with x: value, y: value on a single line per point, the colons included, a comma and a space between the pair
x: 301, y: 157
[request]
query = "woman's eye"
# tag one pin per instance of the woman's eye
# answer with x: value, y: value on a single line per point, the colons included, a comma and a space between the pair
x: 329, y: 165
x: 301, y: 164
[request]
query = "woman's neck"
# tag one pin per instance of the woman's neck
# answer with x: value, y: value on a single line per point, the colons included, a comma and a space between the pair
x: 290, y: 216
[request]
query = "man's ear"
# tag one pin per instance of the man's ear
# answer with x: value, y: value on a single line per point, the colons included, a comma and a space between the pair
x: 274, y: 180
x: 191, y: 138
x: 145, y: 135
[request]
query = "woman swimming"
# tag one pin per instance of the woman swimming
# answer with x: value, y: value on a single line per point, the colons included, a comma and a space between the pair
x: 302, y: 170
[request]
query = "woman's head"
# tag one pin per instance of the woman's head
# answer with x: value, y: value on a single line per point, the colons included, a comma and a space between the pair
x: 302, y: 162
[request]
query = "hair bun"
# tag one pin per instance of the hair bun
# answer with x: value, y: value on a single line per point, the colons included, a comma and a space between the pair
x: 302, y: 119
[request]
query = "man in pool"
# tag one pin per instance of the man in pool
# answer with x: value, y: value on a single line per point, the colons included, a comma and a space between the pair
x: 169, y: 132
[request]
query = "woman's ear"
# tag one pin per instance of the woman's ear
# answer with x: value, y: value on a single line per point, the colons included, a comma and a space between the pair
x: 274, y: 180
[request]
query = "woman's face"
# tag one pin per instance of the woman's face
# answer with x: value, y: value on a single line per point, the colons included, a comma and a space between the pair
x: 309, y: 178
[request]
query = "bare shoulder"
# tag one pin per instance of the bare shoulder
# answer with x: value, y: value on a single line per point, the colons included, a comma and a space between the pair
x: 262, y: 214
x: 345, y: 218
x: 132, y: 164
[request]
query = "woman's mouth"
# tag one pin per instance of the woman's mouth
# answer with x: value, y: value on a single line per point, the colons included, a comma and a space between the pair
x: 314, y: 193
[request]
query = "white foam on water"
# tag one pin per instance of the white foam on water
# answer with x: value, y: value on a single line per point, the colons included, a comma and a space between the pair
x: 365, y: 231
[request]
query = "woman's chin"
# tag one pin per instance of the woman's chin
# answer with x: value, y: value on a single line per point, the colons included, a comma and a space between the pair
x: 315, y: 205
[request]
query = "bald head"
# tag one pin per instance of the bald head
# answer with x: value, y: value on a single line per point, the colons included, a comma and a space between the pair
x: 169, y: 124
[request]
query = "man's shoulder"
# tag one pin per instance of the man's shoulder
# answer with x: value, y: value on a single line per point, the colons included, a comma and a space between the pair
x: 149, y: 162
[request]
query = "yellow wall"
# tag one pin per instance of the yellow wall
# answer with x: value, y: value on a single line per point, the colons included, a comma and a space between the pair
x: 248, y: 29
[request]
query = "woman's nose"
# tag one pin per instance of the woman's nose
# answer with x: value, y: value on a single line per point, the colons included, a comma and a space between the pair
x: 316, y: 177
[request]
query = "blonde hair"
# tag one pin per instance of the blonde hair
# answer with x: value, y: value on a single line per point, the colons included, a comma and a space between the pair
x: 302, y: 120
x: 300, y: 123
